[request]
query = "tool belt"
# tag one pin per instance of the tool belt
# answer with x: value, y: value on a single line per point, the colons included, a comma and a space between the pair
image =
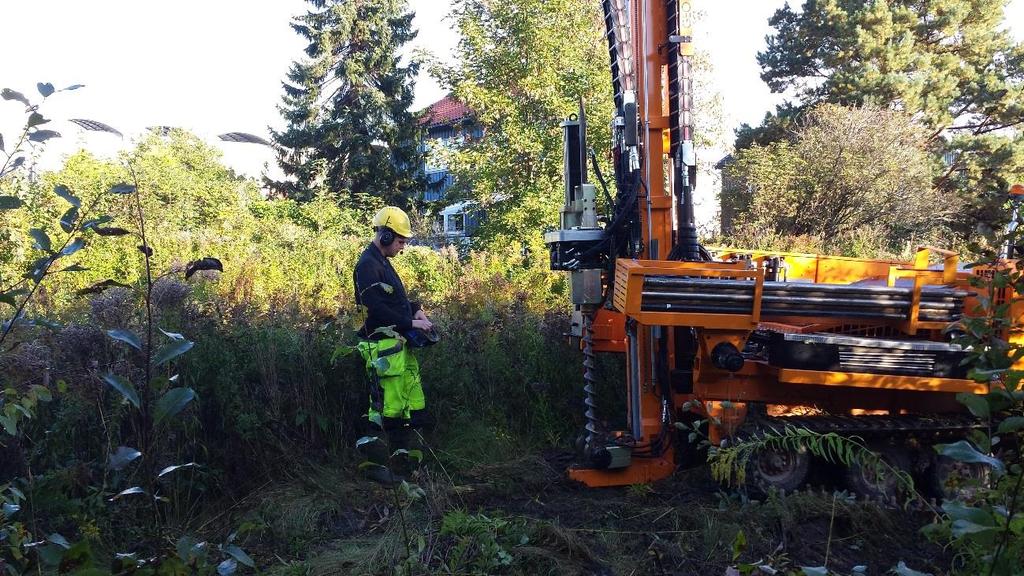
x: 384, y: 359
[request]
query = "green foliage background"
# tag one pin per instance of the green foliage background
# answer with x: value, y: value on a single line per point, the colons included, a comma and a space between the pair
x: 951, y: 66
x: 523, y: 67
x: 836, y: 187
x: 501, y: 383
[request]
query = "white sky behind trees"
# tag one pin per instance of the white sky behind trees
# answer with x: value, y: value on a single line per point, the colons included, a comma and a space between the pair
x: 216, y: 66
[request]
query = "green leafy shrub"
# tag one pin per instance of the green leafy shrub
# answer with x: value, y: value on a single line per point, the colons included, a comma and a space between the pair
x: 480, y: 544
x: 265, y: 396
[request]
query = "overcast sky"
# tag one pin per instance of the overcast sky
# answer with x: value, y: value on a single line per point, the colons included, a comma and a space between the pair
x: 215, y: 66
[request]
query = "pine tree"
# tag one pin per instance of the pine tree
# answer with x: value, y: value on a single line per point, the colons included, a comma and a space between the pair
x: 349, y: 128
x: 948, y: 63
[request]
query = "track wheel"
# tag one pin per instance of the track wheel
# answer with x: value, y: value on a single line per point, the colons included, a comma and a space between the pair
x: 950, y: 479
x: 880, y: 482
x: 782, y: 470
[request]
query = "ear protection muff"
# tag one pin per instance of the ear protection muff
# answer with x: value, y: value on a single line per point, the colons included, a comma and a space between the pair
x: 387, y: 235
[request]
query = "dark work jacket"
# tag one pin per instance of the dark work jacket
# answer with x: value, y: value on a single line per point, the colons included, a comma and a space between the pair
x: 372, y: 272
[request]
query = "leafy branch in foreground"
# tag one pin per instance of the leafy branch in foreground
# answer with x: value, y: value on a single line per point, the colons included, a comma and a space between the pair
x: 133, y: 478
x: 986, y: 525
x: 31, y: 133
x: 729, y: 464
x: 74, y: 222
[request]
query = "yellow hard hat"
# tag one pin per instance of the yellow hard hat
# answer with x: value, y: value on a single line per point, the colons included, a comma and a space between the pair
x: 395, y: 218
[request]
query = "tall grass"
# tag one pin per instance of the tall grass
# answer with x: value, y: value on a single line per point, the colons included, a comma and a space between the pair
x: 502, y: 380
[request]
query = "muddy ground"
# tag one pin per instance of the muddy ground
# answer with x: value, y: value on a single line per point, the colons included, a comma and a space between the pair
x: 526, y: 517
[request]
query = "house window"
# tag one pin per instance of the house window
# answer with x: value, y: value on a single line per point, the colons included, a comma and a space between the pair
x: 456, y: 224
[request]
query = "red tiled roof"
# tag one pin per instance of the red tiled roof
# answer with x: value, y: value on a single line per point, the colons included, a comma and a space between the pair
x: 445, y: 111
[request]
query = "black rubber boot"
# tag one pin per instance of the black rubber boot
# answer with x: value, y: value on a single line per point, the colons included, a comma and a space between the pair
x: 401, y: 439
x: 421, y: 420
x: 376, y: 466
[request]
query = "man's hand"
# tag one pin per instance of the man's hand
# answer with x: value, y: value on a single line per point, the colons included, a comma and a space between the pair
x: 420, y: 320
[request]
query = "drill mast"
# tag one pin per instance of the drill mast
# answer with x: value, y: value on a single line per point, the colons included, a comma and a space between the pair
x: 704, y: 336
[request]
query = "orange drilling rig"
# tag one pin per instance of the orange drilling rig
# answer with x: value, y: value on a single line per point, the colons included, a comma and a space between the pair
x: 859, y: 344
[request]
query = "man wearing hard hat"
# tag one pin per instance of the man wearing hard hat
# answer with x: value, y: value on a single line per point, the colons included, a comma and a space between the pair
x: 393, y: 325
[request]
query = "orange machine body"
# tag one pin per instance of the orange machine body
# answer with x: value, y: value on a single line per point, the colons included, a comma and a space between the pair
x: 648, y: 42
x: 724, y: 394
